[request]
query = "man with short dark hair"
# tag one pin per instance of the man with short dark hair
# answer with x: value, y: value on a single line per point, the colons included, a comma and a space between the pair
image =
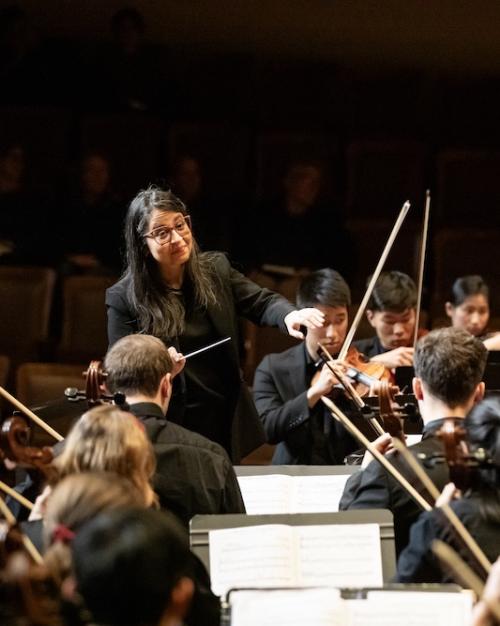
x: 193, y: 474
x: 134, y: 567
x: 391, y: 311
x: 288, y: 400
x: 449, y: 365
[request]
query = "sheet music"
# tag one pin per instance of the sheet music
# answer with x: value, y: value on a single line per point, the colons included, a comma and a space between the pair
x: 255, y: 556
x: 318, y: 494
x: 277, y: 493
x: 297, y: 607
x: 411, y: 440
x: 386, y: 608
x: 324, y: 607
x: 342, y: 555
x: 268, y: 494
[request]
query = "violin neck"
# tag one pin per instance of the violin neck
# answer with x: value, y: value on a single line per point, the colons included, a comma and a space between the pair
x: 359, y: 377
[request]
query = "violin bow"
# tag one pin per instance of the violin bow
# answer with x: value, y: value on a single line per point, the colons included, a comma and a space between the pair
x: 27, y: 543
x: 460, y: 569
x: 450, y: 514
x: 30, y: 414
x: 396, y: 474
x: 465, y: 575
x: 16, y: 496
x: 349, y: 388
x: 423, y: 246
x: 359, y: 314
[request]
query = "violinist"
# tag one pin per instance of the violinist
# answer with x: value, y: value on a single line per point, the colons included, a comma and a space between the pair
x: 468, y: 307
x: 287, y: 386
x: 478, y: 509
x: 391, y: 311
x: 193, y: 474
x: 190, y: 299
x: 449, y: 366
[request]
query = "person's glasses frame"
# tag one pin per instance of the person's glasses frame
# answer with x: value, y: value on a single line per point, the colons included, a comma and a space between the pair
x: 163, y: 234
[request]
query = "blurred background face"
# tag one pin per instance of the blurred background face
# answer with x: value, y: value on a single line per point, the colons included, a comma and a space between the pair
x: 472, y: 315
x: 187, y: 179
x: 95, y: 175
x: 302, y: 185
x: 12, y: 166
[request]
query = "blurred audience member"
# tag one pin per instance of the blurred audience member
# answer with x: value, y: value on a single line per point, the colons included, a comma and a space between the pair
x: 90, y: 221
x: 300, y: 229
x: 208, y: 215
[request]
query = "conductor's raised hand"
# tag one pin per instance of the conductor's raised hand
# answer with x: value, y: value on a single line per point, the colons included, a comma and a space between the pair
x: 310, y: 318
x: 178, y: 361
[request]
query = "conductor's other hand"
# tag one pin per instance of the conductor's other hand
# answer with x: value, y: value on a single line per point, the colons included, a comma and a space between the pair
x: 178, y: 361
x: 310, y: 318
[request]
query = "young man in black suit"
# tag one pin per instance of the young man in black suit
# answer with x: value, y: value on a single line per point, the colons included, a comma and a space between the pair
x: 391, y: 311
x: 287, y: 399
x: 449, y: 365
x: 193, y: 474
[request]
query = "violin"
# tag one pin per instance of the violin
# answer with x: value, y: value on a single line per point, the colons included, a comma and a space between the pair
x: 457, y: 455
x: 15, y: 437
x: 389, y: 411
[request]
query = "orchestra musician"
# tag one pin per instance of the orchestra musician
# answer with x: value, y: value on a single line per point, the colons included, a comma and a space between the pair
x: 391, y: 311
x: 193, y: 474
x: 479, y: 508
x: 468, y: 307
x: 134, y: 567
x: 287, y: 398
x: 449, y: 365
x: 189, y: 299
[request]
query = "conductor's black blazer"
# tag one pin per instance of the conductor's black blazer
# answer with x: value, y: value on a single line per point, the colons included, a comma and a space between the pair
x: 237, y: 296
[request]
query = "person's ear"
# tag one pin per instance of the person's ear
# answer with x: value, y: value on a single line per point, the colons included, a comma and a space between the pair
x: 448, y: 307
x: 418, y: 389
x: 180, y: 598
x: 369, y: 316
x: 166, y: 386
x: 479, y: 392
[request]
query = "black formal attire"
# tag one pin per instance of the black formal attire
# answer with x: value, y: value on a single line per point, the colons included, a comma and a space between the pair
x: 375, y: 488
x: 417, y: 563
x: 370, y: 347
x: 209, y: 395
x: 304, y: 436
x: 193, y: 474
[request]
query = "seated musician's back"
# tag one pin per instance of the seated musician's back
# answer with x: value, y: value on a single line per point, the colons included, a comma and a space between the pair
x: 449, y: 365
x: 193, y: 475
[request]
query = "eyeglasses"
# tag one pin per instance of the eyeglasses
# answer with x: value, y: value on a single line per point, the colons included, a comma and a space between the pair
x: 163, y: 234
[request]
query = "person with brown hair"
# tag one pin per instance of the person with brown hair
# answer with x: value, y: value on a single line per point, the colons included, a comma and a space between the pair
x: 76, y: 503
x: 449, y: 366
x: 193, y: 474
x: 108, y: 439
x: 75, y: 500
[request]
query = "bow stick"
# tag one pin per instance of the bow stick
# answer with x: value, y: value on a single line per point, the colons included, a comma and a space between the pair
x: 359, y: 314
x: 460, y: 528
x: 30, y: 414
x: 423, y: 246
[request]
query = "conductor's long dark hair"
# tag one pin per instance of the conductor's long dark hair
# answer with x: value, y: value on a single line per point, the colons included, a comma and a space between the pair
x: 160, y: 310
x: 483, y: 431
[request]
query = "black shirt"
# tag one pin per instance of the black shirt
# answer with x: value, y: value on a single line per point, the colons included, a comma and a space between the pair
x: 374, y: 488
x: 370, y: 347
x: 193, y: 475
x: 417, y: 562
x: 210, y: 401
